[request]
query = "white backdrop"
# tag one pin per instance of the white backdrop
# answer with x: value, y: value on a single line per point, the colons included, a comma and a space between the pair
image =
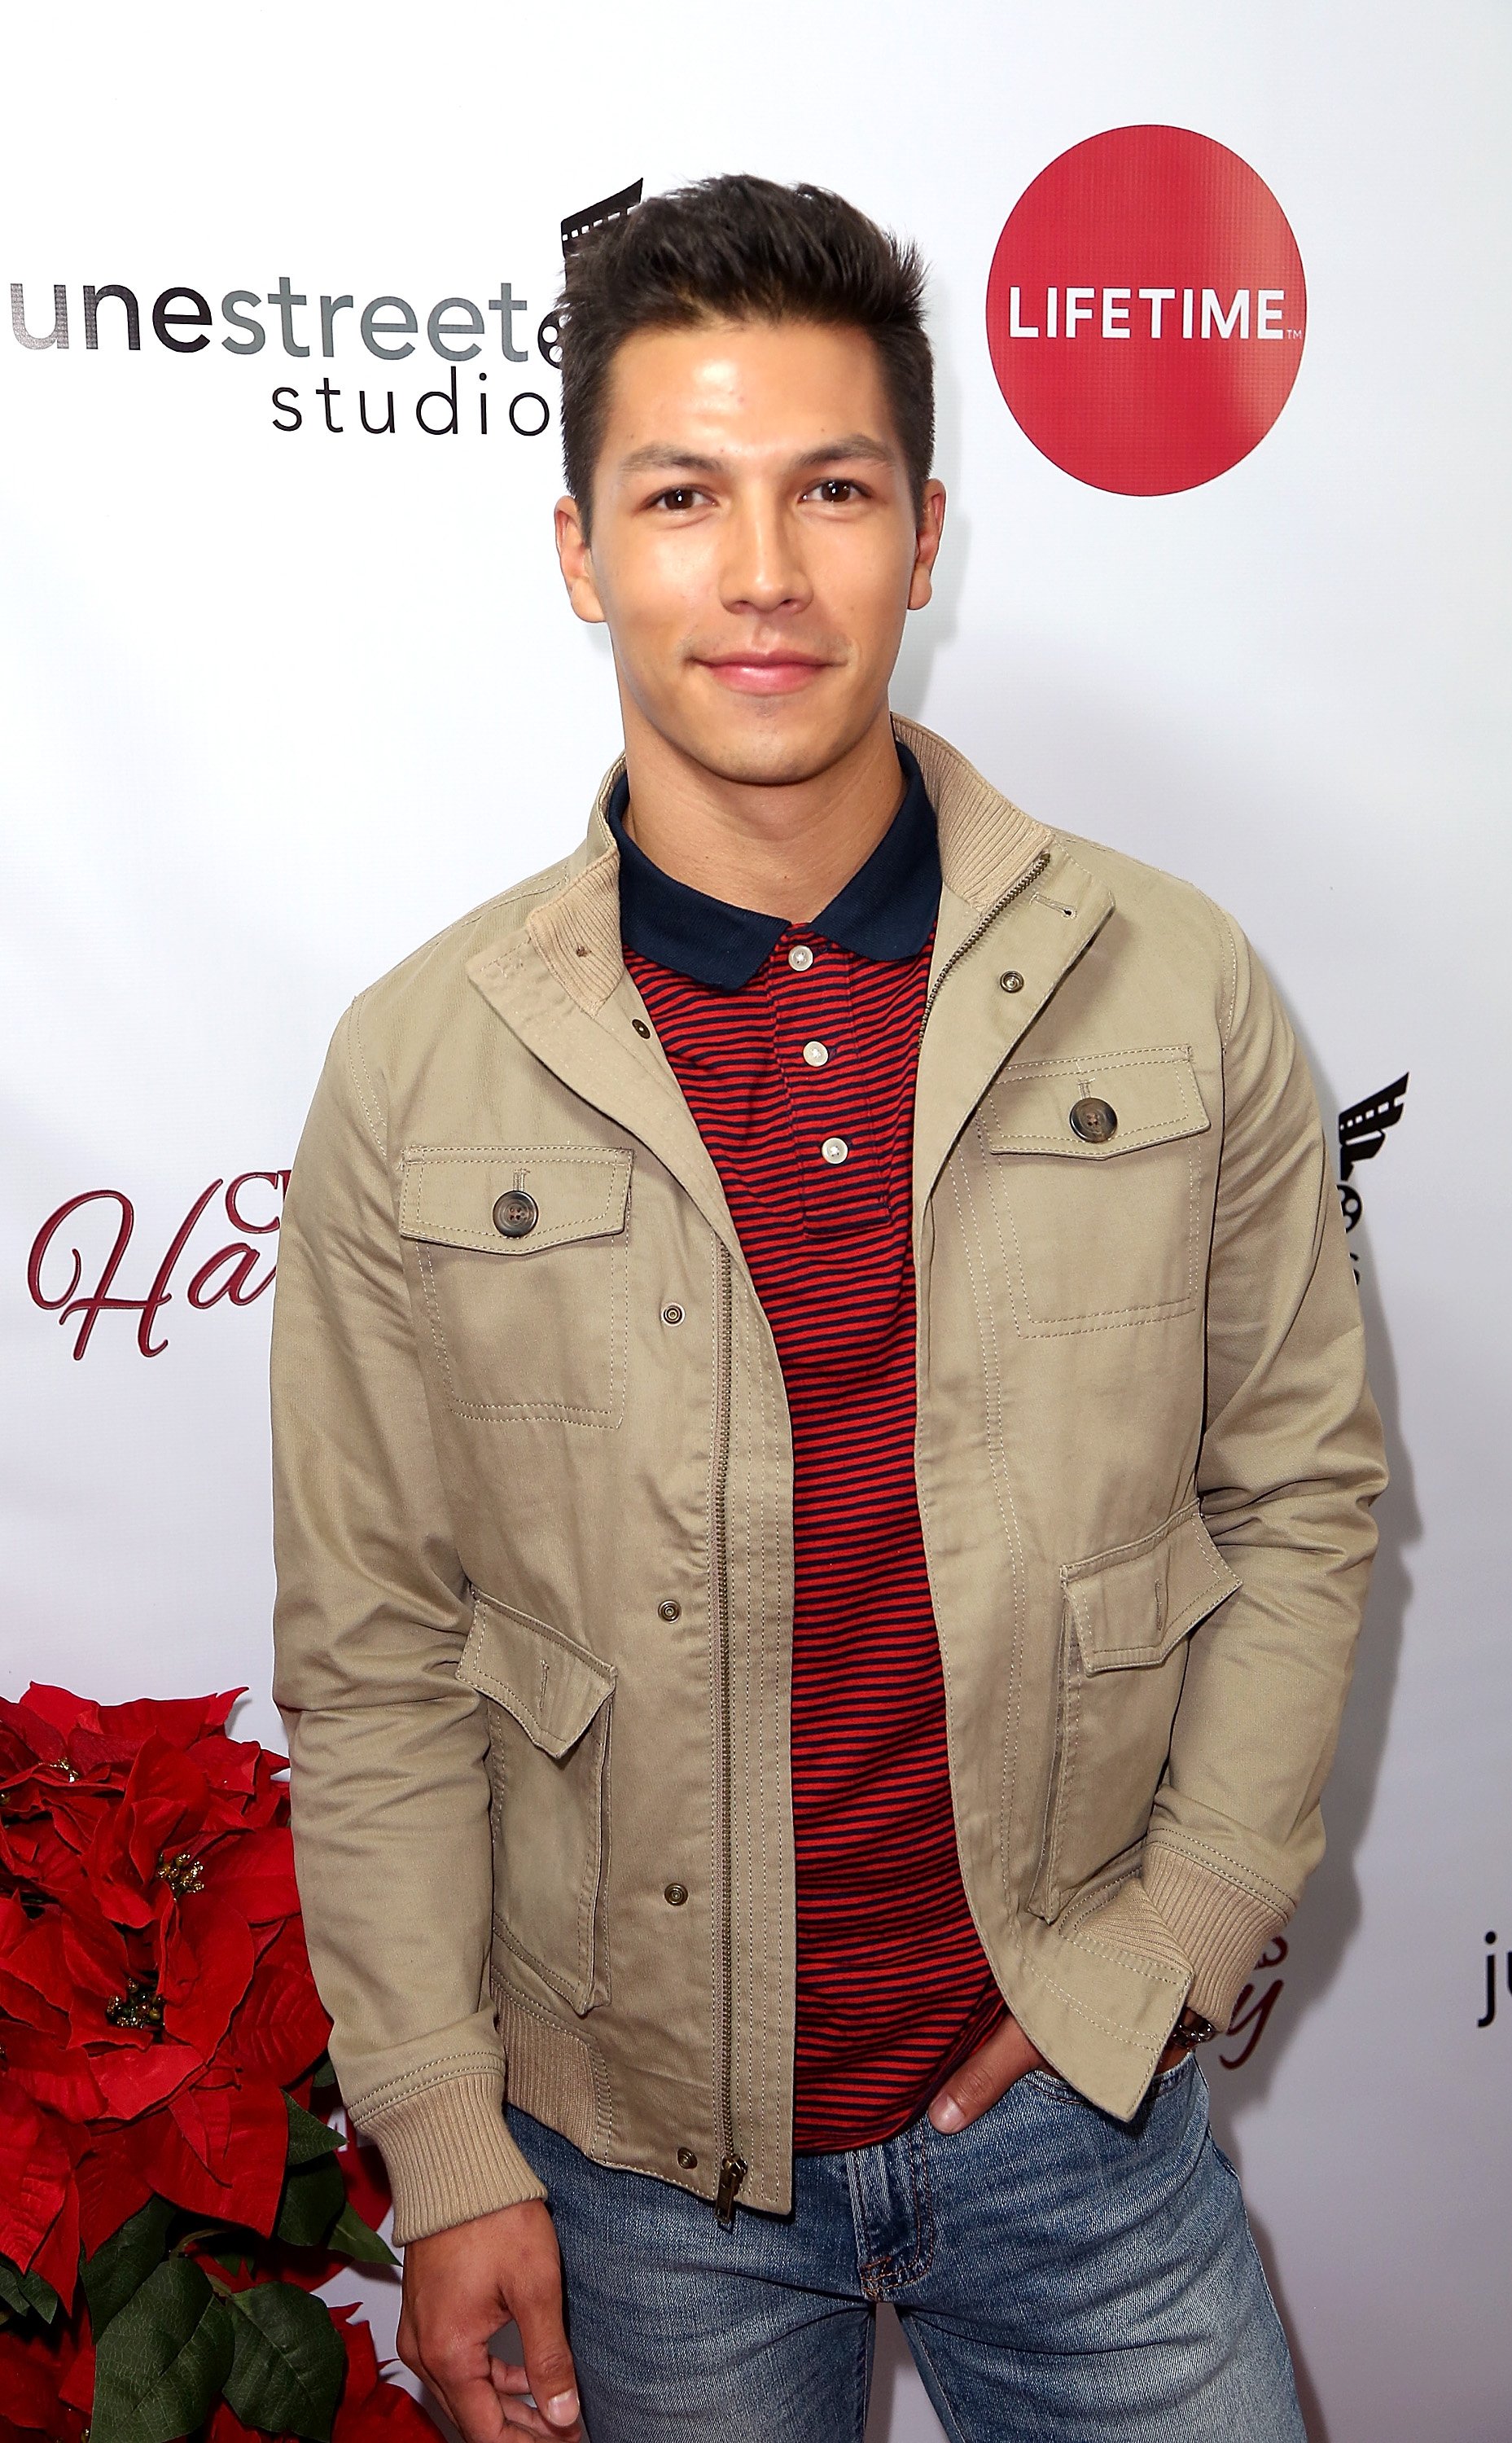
x: 277, y: 705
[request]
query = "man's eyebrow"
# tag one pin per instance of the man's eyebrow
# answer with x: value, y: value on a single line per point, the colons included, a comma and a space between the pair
x: 658, y: 456
x: 852, y: 445
x: 655, y: 455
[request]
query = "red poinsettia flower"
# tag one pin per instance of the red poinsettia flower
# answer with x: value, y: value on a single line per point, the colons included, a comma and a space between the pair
x: 156, y: 1996
x: 160, y: 2038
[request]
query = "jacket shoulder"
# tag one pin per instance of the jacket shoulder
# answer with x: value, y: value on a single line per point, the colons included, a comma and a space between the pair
x: 424, y: 992
x: 1174, y: 918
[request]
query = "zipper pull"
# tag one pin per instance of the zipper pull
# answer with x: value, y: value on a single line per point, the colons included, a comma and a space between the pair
x: 732, y: 2172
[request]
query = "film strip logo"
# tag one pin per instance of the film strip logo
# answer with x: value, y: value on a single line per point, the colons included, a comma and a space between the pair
x: 611, y: 208
x: 1361, y: 1134
x: 576, y: 227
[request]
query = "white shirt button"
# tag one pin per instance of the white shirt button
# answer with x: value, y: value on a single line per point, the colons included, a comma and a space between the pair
x: 835, y: 1150
x: 816, y: 1055
x: 800, y: 955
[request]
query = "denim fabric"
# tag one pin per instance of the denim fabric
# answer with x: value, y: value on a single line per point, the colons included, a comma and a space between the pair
x: 1061, y: 2277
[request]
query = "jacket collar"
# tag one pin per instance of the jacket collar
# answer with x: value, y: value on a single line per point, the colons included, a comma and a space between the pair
x: 985, y: 844
x: 887, y: 911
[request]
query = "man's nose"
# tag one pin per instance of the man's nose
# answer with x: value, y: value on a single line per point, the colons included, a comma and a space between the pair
x: 763, y: 564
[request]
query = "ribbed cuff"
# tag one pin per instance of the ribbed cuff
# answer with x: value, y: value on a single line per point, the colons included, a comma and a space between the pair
x: 1222, y: 1929
x: 449, y: 2154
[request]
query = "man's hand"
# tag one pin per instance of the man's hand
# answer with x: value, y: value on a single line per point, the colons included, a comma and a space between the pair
x: 985, y: 2075
x: 990, y: 2071
x: 459, y: 2287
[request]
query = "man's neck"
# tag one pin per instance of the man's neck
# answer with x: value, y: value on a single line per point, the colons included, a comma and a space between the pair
x: 780, y: 849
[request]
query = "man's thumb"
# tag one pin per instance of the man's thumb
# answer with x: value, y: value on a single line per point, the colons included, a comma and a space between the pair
x: 548, y: 2359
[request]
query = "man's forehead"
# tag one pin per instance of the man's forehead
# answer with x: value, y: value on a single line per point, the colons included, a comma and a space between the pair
x: 784, y: 390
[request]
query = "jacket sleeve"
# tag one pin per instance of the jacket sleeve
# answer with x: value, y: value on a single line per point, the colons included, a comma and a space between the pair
x: 1291, y: 1460
x: 388, y: 1751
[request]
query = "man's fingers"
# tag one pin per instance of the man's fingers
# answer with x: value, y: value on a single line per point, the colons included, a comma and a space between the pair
x: 548, y: 2359
x: 469, y: 2401
x: 521, y: 2414
x: 984, y: 2076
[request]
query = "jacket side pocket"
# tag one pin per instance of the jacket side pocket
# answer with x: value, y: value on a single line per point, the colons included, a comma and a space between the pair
x: 1126, y: 1615
x: 549, y: 1703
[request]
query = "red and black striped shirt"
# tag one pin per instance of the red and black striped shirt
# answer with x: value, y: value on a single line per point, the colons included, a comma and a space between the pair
x: 797, y: 1047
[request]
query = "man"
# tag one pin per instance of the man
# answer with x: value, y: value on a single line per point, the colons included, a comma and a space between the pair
x: 823, y: 1483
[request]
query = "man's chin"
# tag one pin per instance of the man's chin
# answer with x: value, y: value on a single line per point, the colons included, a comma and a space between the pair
x: 776, y: 757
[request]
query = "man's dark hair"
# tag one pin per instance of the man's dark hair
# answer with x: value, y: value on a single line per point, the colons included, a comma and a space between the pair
x: 741, y: 250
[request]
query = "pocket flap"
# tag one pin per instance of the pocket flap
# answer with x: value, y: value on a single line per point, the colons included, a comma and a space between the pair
x: 1134, y: 1604
x: 552, y: 1687
x: 1153, y: 1094
x: 448, y: 1194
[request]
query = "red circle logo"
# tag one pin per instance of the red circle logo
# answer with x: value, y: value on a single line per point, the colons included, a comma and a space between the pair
x: 1146, y: 310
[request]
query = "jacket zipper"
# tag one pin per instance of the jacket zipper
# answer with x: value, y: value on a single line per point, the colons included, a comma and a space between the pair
x: 732, y: 2166
x: 1030, y: 873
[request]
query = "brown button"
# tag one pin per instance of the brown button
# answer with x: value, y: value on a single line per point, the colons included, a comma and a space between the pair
x: 671, y: 1315
x: 641, y: 1028
x: 1094, y: 1121
x: 687, y: 2158
x: 675, y: 1895
x: 515, y: 1214
x: 670, y: 1611
x: 1011, y: 981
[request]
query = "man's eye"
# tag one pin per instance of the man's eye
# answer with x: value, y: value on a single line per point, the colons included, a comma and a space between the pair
x: 836, y: 491
x: 682, y: 496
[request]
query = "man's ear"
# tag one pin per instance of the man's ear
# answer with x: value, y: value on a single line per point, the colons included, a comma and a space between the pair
x: 576, y: 562
x: 927, y: 533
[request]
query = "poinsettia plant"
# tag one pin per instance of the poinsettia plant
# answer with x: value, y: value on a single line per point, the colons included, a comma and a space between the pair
x: 173, y: 2190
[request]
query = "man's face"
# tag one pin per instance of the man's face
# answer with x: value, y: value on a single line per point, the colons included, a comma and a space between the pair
x: 755, y: 544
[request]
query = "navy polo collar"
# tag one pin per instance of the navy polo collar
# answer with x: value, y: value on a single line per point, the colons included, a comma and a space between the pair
x: 887, y: 911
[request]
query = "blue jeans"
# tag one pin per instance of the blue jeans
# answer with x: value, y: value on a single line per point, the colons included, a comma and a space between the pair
x: 1061, y: 2277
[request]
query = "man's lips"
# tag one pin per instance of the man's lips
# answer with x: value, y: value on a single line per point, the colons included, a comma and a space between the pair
x: 780, y: 674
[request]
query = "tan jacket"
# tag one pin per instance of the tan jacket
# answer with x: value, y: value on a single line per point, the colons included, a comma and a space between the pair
x: 535, y: 1530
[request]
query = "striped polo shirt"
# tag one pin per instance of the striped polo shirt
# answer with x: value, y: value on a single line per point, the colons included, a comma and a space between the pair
x: 797, y: 1047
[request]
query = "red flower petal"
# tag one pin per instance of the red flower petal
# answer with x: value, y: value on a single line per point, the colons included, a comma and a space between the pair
x: 51, y: 2074
x: 254, y: 1873
x: 35, y: 2176
x: 77, y: 2386
x: 225, y: 2427
x: 60, y: 1707
x: 181, y: 1720
x: 251, y: 2151
x: 111, y: 2189
x: 207, y: 1965
x: 362, y: 2358
x: 280, y: 2028
x: 57, y: 2259
x: 134, y: 2078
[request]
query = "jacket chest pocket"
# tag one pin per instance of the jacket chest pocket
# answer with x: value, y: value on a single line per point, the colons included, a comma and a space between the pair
x: 521, y: 1258
x: 549, y: 1703
x: 1126, y: 1618
x: 1096, y: 1186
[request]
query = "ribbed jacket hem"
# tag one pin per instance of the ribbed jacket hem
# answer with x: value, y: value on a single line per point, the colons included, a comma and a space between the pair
x: 449, y: 2154
x: 1221, y: 1928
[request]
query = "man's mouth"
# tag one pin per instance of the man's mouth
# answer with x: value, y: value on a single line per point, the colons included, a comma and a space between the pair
x: 781, y: 673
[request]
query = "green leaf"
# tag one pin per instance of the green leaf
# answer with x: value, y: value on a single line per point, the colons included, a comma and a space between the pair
x: 236, y: 2259
x: 163, y: 2360
x: 308, y: 2136
x: 352, y: 2236
x: 26, y: 2293
x: 116, y: 2270
x: 324, y: 2073
x: 313, y: 2200
x: 289, y: 2365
